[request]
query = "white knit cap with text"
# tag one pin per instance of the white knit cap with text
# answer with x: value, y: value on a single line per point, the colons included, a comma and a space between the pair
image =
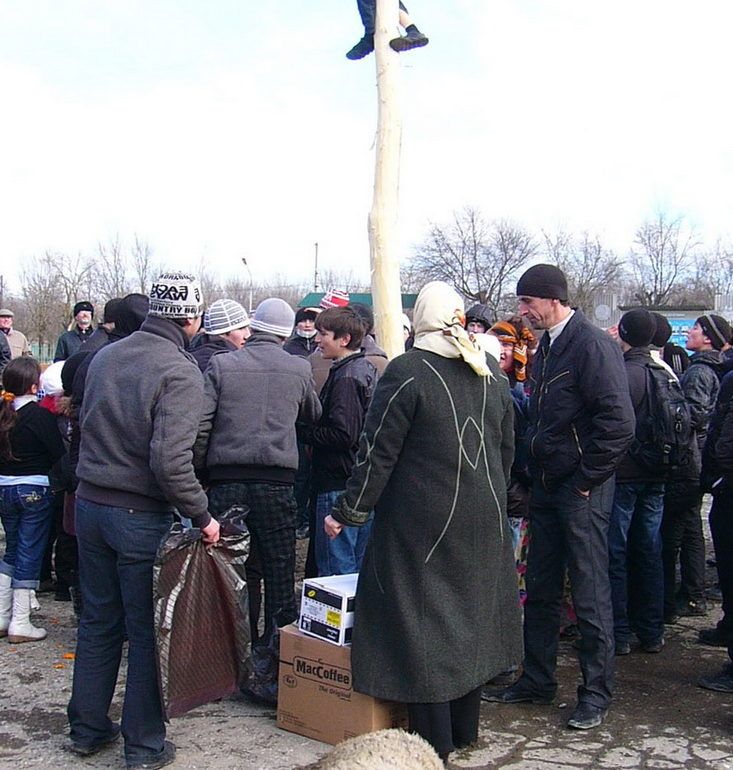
x: 176, y: 296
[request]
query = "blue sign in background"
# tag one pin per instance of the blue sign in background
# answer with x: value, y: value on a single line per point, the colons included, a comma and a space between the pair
x: 680, y: 327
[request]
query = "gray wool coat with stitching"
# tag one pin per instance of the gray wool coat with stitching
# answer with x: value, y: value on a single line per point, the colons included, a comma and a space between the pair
x: 437, y: 610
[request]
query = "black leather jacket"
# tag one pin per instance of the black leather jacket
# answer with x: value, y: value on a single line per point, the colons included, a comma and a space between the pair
x: 345, y: 399
x: 717, y: 456
x: 581, y: 417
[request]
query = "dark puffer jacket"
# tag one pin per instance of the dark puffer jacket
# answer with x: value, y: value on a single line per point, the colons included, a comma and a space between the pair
x: 701, y: 385
x: 345, y: 399
x: 581, y: 417
x: 211, y: 345
x: 717, y: 456
x: 300, y: 346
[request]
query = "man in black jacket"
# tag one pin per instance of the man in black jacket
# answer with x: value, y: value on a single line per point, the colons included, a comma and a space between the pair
x: 581, y: 422
x: 69, y: 342
x: 717, y: 478
x: 682, y: 524
x: 303, y: 341
x: 345, y: 399
x: 634, y: 539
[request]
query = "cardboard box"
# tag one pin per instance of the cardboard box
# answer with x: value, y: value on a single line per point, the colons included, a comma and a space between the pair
x: 327, y: 608
x: 315, y: 696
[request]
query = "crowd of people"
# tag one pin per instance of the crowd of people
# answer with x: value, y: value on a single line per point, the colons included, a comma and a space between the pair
x: 497, y: 476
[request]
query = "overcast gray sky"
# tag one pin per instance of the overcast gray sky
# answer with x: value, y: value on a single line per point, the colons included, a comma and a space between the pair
x: 226, y: 128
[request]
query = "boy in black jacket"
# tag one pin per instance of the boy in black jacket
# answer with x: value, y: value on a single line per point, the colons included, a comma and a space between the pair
x: 634, y: 539
x: 345, y: 398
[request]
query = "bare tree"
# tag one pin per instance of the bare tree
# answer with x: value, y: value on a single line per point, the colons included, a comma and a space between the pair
x: 477, y: 257
x: 588, y: 266
x: 663, y: 251
x: 111, y: 270
x: 74, y: 277
x: 713, y: 276
x: 142, y: 265
x: 44, y: 311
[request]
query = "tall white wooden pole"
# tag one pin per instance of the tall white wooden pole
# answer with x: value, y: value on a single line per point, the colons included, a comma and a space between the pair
x: 385, y: 269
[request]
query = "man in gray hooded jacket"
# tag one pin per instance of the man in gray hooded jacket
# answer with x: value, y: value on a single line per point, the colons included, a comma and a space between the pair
x: 138, y: 424
x: 247, y: 443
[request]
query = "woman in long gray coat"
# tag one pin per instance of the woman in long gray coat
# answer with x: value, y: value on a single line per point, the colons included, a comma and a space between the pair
x: 436, y: 610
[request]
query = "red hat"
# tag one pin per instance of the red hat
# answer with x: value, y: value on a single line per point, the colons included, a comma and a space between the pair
x: 335, y: 298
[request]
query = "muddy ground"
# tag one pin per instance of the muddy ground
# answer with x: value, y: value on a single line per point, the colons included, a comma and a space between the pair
x: 659, y: 719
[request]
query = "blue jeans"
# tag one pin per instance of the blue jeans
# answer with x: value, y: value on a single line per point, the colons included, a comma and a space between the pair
x: 342, y: 555
x: 26, y: 514
x: 635, y: 549
x: 117, y: 548
x: 368, y: 13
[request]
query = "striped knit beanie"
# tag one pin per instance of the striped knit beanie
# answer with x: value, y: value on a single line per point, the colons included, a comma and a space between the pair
x: 224, y: 316
x: 274, y: 316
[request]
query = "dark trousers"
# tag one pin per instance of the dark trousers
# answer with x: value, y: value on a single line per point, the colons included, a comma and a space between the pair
x: 635, y: 548
x: 721, y: 528
x: 271, y: 522
x: 117, y: 549
x: 446, y: 726
x: 302, y: 487
x: 682, y: 538
x: 570, y: 530
x: 60, y: 555
x: 368, y: 13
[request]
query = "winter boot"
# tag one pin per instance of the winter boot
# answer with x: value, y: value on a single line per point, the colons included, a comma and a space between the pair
x: 21, y: 629
x: 6, y: 603
x: 413, y: 39
x: 363, y: 48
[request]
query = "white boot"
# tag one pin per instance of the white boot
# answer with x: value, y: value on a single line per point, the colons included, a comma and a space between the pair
x: 21, y: 629
x: 35, y: 604
x: 6, y: 603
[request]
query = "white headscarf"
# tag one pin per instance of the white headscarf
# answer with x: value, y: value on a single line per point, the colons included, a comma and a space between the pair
x: 439, y: 321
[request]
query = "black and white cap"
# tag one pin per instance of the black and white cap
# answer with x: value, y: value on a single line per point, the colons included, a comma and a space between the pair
x: 225, y: 315
x: 176, y: 296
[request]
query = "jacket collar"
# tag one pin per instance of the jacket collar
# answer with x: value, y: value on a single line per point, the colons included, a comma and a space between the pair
x: 638, y: 354
x: 710, y: 357
x: 348, y: 359
x: 162, y: 327
x: 567, y: 334
x: 370, y: 348
x: 263, y: 338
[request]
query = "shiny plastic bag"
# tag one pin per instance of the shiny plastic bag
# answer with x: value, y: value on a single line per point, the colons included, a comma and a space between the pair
x: 202, y: 614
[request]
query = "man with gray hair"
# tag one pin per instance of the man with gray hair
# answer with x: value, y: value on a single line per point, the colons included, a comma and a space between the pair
x: 138, y: 424
x: 247, y: 442
x: 16, y: 340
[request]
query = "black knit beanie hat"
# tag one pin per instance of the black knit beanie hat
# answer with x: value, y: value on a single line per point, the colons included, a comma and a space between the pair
x: 110, y: 310
x: 546, y: 281
x: 637, y: 327
x: 305, y: 314
x: 716, y: 329
x: 663, y: 331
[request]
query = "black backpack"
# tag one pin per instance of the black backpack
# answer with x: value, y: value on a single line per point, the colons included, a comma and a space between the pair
x: 664, y: 436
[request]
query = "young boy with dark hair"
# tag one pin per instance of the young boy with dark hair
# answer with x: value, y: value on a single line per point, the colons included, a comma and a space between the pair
x: 345, y: 398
